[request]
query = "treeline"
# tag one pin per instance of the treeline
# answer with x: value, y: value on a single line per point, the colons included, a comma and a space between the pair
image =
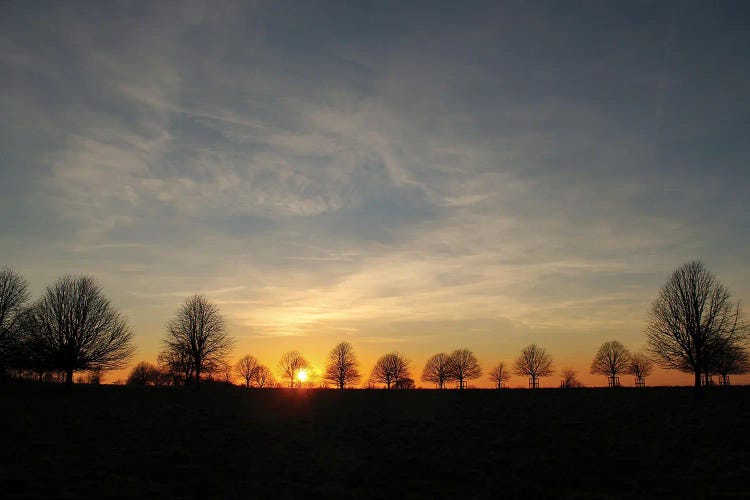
x: 694, y: 326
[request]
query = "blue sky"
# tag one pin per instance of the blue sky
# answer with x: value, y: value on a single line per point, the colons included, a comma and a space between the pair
x: 420, y: 176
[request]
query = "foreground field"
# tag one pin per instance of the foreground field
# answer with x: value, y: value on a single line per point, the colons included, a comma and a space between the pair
x: 154, y: 442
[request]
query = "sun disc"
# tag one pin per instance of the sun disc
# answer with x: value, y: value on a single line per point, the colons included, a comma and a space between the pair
x: 302, y: 376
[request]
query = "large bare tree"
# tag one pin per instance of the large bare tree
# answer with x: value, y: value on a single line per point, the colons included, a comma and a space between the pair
x: 389, y: 369
x: 640, y: 366
x: 534, y: 362
x: 13, y: 296
x: 463, y: 366
x: 342, y: 369
x: 199, y: 334
x: 500, y: 374
x: 693, y: 318
x: 611, y: 360
x: 246, y: 367
x: 436, y: 370
x: 290, y: 364
x: 77, y: 328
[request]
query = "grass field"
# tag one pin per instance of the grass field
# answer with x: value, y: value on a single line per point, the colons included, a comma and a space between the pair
x: 110, y: 441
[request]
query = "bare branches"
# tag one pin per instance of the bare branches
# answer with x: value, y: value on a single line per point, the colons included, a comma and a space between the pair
x: 77, y: 328
x: 436, y: 370
x: 500, y: 374
x: 533, y: 362
x: 569, y: 379
x: 13, y: 296
x: 611, y: 359
x: 342, y: 369
x: 390, y: 369
x: 246, y: 367
x: 198, y: 333
x: 692, y: 319
x: 463, y: 366
x: 290, y: 365
x: 262, y: 377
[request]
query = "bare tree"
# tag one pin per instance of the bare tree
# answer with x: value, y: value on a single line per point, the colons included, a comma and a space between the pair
x: 77, y: 328
x: 569, y: 379
x: 290, y: 365
x: 390, y: 368
x: 262, y: 377
x: 343, y: 368
x: 692, y: 318
x: 13, y: 296
x: 640, y: 366
x: 500, y: 374
x: 463, y: 366
x: 611, y: 360
x: 177, y: 365
x: 733, y: 359
x: 246, y: 368
x: 436, y: 370
x: 145, y: 373
x: 198, y: 332
x: 533, y: 362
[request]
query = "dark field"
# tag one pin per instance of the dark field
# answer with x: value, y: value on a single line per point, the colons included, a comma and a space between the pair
x: 580, y: 443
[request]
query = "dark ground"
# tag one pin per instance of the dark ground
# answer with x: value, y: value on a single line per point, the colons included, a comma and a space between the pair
x: 110, y: 441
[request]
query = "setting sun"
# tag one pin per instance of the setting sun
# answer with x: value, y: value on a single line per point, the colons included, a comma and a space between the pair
x: 303, y: 376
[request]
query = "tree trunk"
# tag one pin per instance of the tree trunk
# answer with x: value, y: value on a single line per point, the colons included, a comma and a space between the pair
x: 197, y: 378
x: 69, y: 377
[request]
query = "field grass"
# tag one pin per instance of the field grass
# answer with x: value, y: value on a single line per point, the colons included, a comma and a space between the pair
x: 110, y: 441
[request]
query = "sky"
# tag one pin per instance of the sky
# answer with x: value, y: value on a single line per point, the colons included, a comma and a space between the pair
x: 409, y: 176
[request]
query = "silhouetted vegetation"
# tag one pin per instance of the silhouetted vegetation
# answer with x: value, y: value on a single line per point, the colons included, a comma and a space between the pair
x: 145, y: 373
x: 197, y: 338
x: 640, y: 366
x: 73, y: 327
x: 290, y: 365
x: 342, y: 369
x: 13, y: 297
x: 463, y: 366
x: 390, y: 369
x: 693, y: 320
x: 246, y: 368
x: 569, y: 379
x: 500, y: 374
x: 436, y: 370
x: 611, y: 360
x: 534, y: 362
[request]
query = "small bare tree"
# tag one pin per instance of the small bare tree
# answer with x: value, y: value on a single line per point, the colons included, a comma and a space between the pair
x: 692, y: 318
x: 198, y: 332
x: 290, y: 365
x: 246, y: 368
x: 77, y: 329
x: 463, y: 366
x: 436, y: 370
x: 342, y: 369
x: 640, y: 366
x: 534, y: 362
x: 262, y: 377
x: 569, y: 379
x: 500, y: 374
x: 732, y: 360
x: 611, y: 360
x: 145, y: 373
x: 390, y: 368
x: 13, y: 296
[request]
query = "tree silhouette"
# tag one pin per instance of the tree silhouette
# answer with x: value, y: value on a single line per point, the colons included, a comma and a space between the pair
x: 611, y: 359
x: 246, y: 367
x: 463, y: 366
x: 692, y: 318
x: 500, y: 374
x: 290, y: 365
x: 13, y: 296
x: 342, y: 369
x: 436, y: 370
x: 733, y: 359
x: 75, y: 328
x: 640, y: 366
x: 390, y: 368
x: 262, y: 377
x: 145, y: 373
x: 177, y: 365
x: 198, y: 333
x: 534, y: 362
x: 569, y: 379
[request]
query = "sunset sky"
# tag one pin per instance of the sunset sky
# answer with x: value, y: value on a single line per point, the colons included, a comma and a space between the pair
x: 411, y: 176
